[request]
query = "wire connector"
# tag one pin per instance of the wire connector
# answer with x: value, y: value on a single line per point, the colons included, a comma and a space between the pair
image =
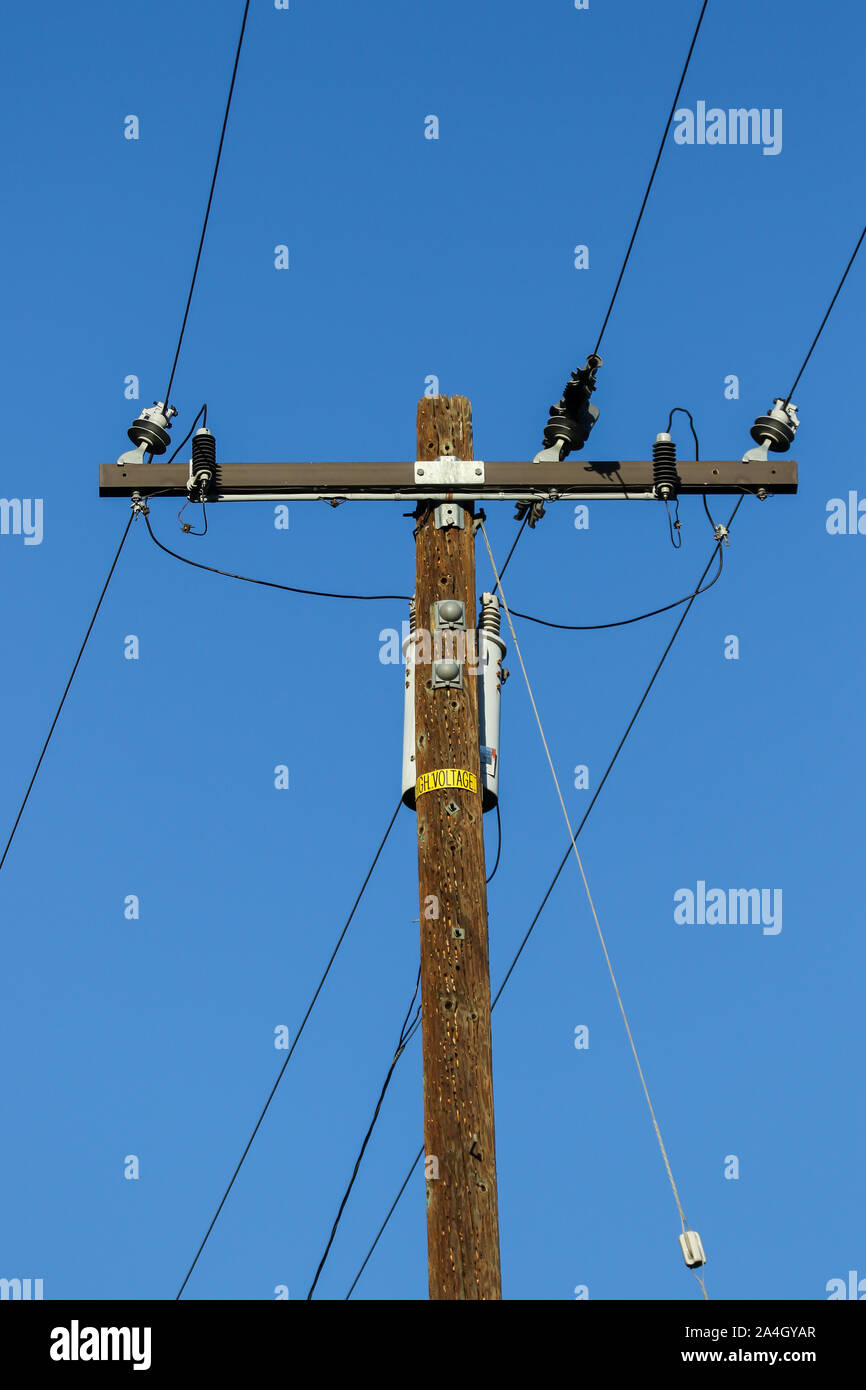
x: 535, y: 508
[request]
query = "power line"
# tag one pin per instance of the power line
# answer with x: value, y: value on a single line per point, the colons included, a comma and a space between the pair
x: 209, y: 202
x: 652, y: 175
x: 516, y: 539
x: 557, y: 874
x: 826, y: 316
x: 202, y: 413
x: 67, y: 689
x: 297, y: 1038
x: 381, y: 1229
x: 407, y: 1033
x: 623, y: 622
x: 267, y: 583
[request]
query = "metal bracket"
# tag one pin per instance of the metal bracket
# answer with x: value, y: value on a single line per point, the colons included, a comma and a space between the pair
x: 448, y: 514
x: 448, y: 471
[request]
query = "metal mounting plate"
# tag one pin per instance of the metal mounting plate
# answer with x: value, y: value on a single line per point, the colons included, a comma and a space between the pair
x: 447, y: 471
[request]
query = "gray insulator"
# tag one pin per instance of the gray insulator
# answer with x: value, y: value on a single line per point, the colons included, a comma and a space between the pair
x: 490, y: 618
x: 775, y: 433
x: 151, y: 427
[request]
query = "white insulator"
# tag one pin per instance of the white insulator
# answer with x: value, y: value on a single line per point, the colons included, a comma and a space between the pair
x: 693, y: 1250
x: 491, y: 650
x: 490, y: 618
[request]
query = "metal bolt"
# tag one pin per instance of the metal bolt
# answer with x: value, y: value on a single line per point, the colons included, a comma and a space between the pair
x: 447, y: 670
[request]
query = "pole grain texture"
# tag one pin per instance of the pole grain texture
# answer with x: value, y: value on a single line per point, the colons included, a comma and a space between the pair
x: 459, y: 1146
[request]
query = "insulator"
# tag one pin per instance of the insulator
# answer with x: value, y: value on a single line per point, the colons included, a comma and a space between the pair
x: 666, y: 480
x: 777, y: 429
x: 203, y: 452
x: 490, y: 618
x: 152, y: 427
x: 572, y: 418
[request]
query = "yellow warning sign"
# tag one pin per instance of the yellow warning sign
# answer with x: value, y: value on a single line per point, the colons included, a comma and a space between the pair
x: 444, y: 778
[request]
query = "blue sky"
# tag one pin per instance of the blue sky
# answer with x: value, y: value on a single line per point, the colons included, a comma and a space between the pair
x: 411, y: 257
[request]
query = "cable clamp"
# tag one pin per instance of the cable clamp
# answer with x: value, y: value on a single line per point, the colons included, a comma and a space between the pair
x: 535, y: 509
x: 721, y: 533
x: 138, y: 504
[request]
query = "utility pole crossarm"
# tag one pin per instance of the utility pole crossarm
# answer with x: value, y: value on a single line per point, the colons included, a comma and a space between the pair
x: 577, y: 478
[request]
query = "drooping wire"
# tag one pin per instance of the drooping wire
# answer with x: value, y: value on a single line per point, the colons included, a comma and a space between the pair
x: 498, y: 843
x: 680, y: 409
x: 167, y: 395
x: 407, y: 1033
x: 297, y: 1039
x: 67, y: 688
x: 826, y: 316
x: 674, y: 524
x: 267, y: 583
x: 623, y: 622
x: 555, y: 878
x: 186, y: 526
x: 653, y: 174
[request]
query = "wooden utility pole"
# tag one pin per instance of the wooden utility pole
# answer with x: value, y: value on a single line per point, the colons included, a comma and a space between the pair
x: 459, y: 1148
x: 444, y: 481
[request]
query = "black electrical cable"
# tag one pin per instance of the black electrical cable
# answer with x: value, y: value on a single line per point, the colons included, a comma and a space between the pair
x: 622, y: 622
x: 407, y: 1033
x: 653, y: 174
x: 514, y: 546
x: 391, y: 1211
x: 558, y: 872
x: 209, y: 202
x: 498, y: 828
x: 682, y: 411
x: 267, y: 583
x: 674, y: 524
x: 826, y: 316
x: 66, y: 691
x: 202, y: 412
x: 310, y: 1007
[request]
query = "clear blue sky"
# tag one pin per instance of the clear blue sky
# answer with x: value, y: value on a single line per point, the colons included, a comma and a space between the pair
x: 411, y: 257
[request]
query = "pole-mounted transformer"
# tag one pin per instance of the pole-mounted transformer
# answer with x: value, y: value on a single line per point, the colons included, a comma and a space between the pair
x: 450, y: 655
